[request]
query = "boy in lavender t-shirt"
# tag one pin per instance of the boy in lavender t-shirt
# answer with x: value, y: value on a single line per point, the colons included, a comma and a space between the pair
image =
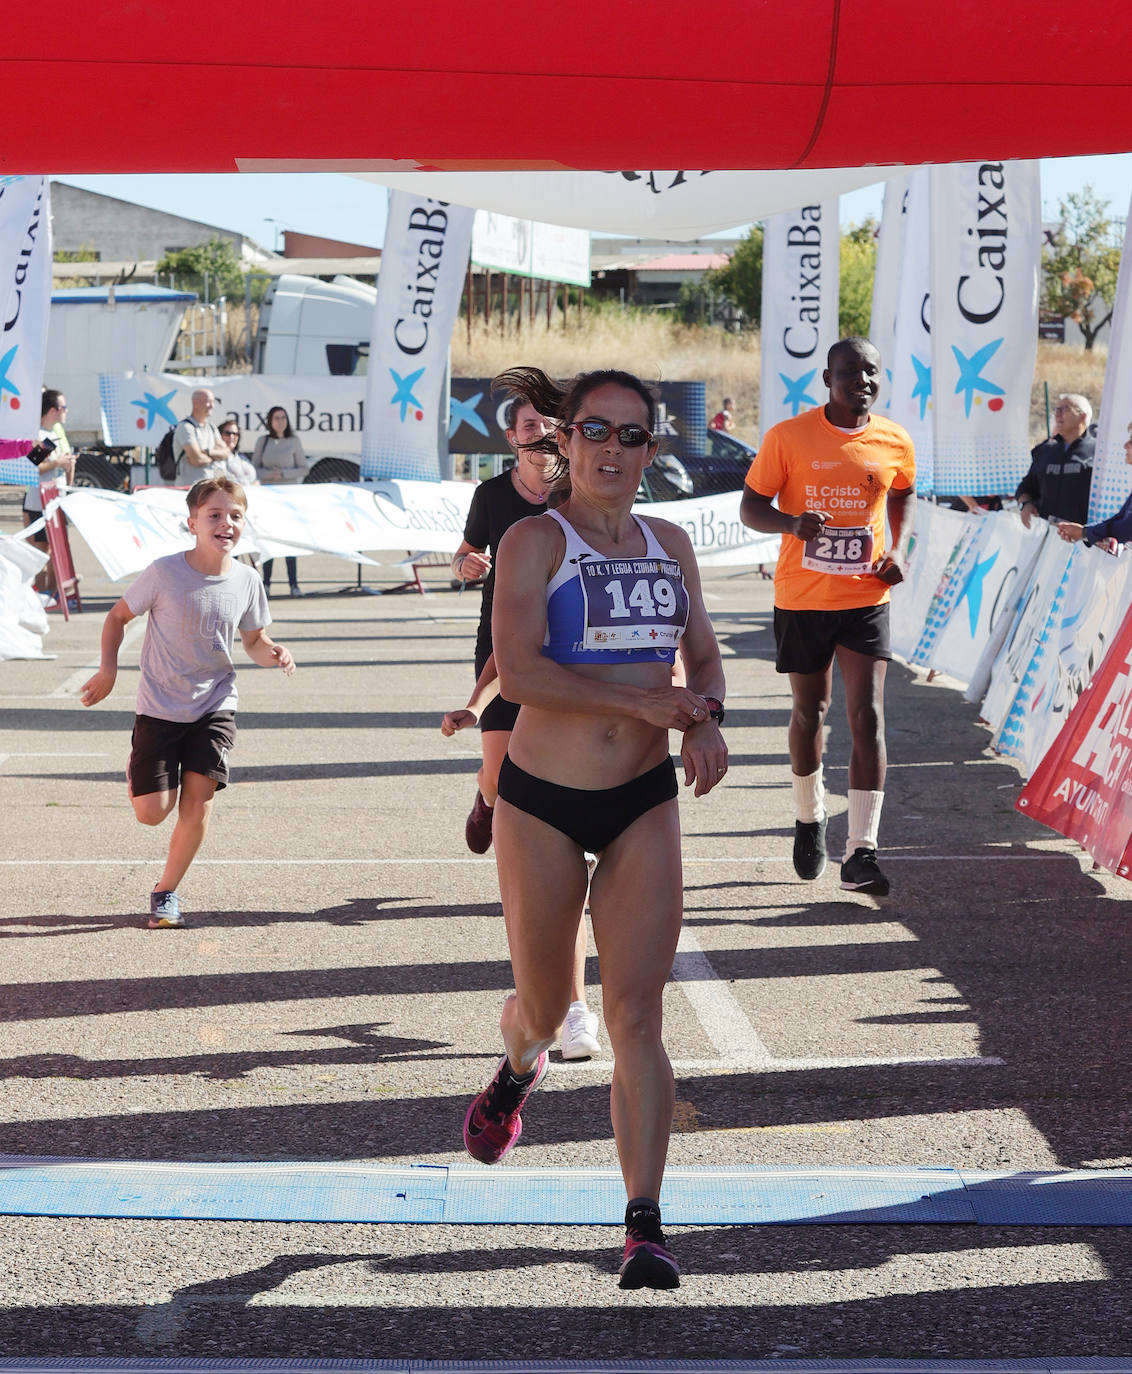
x: 186, y: 711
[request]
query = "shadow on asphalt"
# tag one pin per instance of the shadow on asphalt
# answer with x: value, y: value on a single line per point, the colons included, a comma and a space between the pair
x: 227, y: 1316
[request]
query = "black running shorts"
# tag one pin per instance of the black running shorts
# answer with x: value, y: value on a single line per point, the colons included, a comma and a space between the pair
x: 807, y: 640
x: 162, y: 749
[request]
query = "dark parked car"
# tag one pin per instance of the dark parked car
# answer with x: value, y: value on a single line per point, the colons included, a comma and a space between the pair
x: 673, y: 477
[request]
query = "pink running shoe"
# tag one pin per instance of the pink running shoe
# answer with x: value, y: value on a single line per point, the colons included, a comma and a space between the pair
x: 493, y: 1124
x: 647, y: 1264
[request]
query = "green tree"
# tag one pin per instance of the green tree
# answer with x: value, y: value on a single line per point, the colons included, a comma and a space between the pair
x: 858, y: 261
x: 217, y: 259
x: 741, y: 281
x: 1080, y: 265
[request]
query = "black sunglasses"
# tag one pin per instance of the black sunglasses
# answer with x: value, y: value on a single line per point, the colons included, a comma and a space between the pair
x: 597, y: 431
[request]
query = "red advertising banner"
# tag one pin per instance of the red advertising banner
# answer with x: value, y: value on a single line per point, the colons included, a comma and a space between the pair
x: 1082, y: 787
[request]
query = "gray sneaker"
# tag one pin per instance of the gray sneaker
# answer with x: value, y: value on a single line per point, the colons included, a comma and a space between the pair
x: 164, y: 911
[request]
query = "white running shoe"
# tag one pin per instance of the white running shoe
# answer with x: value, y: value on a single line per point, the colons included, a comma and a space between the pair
x: 579, y: 1033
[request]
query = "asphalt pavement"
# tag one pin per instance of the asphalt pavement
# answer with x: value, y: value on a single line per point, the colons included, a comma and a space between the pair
x: 336, y: 997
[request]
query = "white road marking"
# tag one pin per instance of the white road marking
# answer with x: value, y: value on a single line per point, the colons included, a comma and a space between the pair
x: 724, y: 1021
x: 344, y: 862
x: 70, y: 685
x: 726, y: 1025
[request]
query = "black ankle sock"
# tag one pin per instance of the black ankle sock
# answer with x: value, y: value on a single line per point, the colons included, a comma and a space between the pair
x: 642, y: 1216
x: 520, y: 1079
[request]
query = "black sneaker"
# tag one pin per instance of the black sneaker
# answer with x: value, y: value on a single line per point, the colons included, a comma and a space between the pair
x: 861, y: 873
x: 809, y: 848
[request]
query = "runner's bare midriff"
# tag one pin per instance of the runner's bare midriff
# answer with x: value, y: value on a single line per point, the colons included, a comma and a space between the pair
x: 592, y: 751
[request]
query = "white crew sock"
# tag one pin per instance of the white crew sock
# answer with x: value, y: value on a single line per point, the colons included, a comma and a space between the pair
x: 809, y: 796
x: 864, y: 820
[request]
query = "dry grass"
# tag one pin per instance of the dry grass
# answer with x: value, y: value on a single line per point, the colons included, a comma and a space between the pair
x: 654, y: 346
x: 1064, y: 369
x: 657, y: 347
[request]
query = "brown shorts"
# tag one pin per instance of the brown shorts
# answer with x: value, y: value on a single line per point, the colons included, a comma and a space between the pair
x: 161, y: 750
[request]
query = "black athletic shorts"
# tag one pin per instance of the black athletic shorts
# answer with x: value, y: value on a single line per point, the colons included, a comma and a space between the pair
x: 806, y: 640
x: 499, y: 713
x: 592, y: 819
x: 162, y: 749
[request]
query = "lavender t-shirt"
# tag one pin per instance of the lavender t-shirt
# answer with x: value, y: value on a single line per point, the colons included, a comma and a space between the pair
x: 186, y: 659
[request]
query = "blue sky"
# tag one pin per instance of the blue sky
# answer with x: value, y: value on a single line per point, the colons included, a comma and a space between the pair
x: 261, y: 205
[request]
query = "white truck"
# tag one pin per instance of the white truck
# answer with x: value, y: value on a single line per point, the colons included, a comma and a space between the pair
x: 307, y: 328
x: 94, y: 329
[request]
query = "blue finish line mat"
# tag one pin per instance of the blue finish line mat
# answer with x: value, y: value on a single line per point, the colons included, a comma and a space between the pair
x: 473, y: 1194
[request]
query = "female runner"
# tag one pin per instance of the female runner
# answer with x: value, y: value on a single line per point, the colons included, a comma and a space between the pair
x: 591, y: 604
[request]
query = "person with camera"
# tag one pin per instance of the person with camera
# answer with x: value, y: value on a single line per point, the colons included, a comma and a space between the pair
x: 55, y: 460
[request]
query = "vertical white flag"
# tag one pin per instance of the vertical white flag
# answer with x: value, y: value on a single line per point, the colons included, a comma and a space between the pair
x: 986, y: 261
x: 423, y: 264
x: 911, y: 359
x: 886, y: 282
x: 801, y: 273
x: 25, y: 300
x: 1110, y: 475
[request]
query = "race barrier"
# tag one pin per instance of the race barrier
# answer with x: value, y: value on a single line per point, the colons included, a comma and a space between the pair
x: 1039, y: 632
x: 59, y: 547
x: 354, y: 520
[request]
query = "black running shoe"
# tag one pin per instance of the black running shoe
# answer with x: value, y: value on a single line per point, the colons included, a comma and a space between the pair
x: 861, y: 873
x: 809, y: 849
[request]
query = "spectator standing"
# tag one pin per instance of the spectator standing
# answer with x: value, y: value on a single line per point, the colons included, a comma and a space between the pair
x: 59, y: 465
x: 1061, y: 467
x: 240, y: 467
x: 1110, y: 533
x: 186, y: 722
x: 197, y: 447
x: 839, y: 474
x: 278, y: 457
x: 724, y: 419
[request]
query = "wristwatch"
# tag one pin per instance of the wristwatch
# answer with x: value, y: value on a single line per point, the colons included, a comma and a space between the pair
x: 715, y: 709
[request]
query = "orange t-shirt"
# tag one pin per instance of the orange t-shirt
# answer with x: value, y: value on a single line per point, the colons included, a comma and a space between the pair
x: 810, y: 464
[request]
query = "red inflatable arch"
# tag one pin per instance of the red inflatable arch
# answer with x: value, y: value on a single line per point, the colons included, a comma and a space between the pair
x: 217, y: 86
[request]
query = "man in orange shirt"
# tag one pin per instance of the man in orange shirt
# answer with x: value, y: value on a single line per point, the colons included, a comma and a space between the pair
x: 837, y: 472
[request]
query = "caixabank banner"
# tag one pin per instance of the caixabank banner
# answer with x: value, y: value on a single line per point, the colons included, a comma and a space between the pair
x: 1082, y: 788
x: 476, y: 422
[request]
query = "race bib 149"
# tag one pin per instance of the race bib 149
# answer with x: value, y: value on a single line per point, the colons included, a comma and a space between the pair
x: 633, y: 603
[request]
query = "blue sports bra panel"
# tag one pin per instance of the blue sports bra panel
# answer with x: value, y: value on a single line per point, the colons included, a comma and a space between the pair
x: 601, y: 609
